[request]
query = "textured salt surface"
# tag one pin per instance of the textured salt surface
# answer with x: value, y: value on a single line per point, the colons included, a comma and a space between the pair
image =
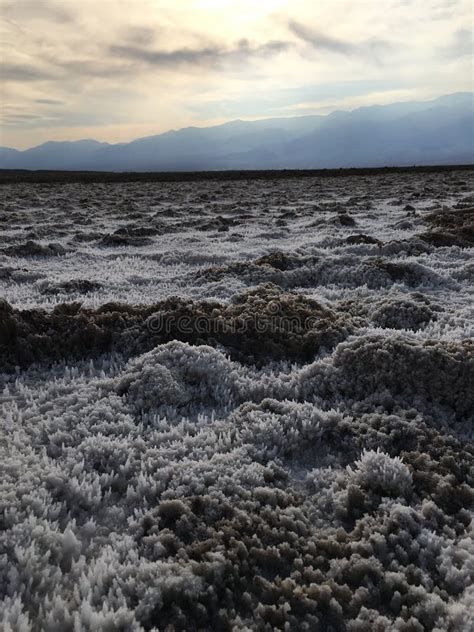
x: 238, y: 406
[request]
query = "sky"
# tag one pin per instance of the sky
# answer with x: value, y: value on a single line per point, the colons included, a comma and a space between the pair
x: 116, y: 70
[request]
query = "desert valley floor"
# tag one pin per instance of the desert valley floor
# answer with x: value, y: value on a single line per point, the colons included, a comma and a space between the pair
x: 237, y: 405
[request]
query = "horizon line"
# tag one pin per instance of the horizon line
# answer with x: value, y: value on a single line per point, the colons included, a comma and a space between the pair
x: 57, y: 176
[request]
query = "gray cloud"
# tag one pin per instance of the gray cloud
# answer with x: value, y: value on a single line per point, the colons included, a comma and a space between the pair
x: 61, y: 70
x: 13, y: 119
x: 24, y: 117
x: 142, y: 35
x: 371, y: 48
x: 92, y: 68
x: 124, y: 60
x: 21, y: 121
x: 206, y: 56
x: 319, y: 40
x: 462, y: 44
x: 49, y: 101
x: 48, y: 10
x: 23, y: 72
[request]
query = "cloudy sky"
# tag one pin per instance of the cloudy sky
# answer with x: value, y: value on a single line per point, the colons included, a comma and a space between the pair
x: 116, y: 70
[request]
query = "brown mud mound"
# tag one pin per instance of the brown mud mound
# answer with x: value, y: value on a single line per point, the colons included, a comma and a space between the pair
x: 289, y: 271
x: 269, y: 268
x: 362, y: 239
x: 284, y: 261
x: 410, y: 273
x: 403, y: 313
x: 33, y: 249
x: 279, y: 325
x: 450, y: 228
x: 73, y: 286
x: 439, y: 372
x: 258, y: 326
x: 411, y: 311
x: 125, y: 237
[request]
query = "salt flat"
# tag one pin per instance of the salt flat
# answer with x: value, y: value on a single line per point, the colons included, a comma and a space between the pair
x: 238, y: 405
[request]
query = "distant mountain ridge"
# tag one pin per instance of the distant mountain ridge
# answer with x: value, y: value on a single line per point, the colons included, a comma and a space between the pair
x: 440, y: 131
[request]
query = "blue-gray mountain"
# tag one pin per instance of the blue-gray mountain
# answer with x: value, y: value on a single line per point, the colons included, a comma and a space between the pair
x: 412, y: 133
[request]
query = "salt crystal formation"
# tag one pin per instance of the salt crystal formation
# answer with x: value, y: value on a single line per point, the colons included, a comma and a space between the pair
x: 238, y: 405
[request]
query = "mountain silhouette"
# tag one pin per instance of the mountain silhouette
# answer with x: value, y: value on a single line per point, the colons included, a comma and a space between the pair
x: 440, y: 131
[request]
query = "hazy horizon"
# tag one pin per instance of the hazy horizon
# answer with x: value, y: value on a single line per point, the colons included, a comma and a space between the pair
x: 119, y: 70
x: 236, y: 120
x: 401, y: 134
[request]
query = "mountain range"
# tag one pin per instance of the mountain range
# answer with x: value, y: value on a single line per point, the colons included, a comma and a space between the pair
x: 439, y: 132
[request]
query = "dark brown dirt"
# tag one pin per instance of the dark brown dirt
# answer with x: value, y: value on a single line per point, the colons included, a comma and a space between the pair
x: 260, y: 325
x: 450, y: 228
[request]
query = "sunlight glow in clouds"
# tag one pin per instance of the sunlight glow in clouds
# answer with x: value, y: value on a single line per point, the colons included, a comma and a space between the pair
x: 118, y: 69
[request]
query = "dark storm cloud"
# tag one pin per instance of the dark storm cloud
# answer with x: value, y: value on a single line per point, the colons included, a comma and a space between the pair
x: 205, y: 56
x: 370, y: 48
